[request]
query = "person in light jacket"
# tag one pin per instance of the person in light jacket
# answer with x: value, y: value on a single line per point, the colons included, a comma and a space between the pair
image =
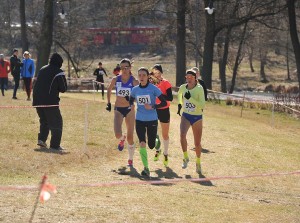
x: 27, y: 73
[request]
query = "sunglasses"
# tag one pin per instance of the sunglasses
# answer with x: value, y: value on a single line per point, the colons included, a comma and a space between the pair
x: 189, y: 77
x: 125, y: 68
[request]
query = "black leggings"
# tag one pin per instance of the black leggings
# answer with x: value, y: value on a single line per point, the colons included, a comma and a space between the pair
x: 150, y: 127
x: 3, y: 83
x: 27, y: 83
x: 102, y: 87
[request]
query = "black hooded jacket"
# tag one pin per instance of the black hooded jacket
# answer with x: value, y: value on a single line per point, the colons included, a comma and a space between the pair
x: 50, y: 81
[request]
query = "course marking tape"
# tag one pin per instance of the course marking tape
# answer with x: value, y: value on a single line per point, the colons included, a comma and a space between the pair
x: 155, y: 182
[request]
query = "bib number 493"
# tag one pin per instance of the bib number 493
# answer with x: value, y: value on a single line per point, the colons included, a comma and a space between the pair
x: 123, y: 92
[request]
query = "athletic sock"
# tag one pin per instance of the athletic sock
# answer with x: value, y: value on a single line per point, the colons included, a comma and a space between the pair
x: 198, y: 160
x: 131, y: 149
x: 166, y: 146
x: 185, y: 155
x: 144, y: 156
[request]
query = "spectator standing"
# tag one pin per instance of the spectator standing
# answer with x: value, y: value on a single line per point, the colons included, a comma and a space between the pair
x: 16, y: 65
x: 4, y: 70
x: 117, y: 70
x: 99, y: 73
x: 200, y: 81
x: 27, y: 73
x: 50, y: 82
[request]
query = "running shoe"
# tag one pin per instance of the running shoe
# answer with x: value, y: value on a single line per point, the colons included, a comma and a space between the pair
x: 130, y: 163
x: 145, y: 172
x: 185, y: 163
x: 166, y: 161
x: 121, y: 144
x: 42, y: 144
x: 198, y: 168
x: 157, y: 142
x: 157, y: 154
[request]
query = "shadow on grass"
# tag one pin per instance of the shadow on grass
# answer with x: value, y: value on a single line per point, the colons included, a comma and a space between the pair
x: 168, y: 174
x: 201, y: 180
x: 46, y: 150
x: 132, y: 172
x: 204, y: 150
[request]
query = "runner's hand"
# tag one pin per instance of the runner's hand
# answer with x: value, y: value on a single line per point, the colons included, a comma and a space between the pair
x: 108, y: 107
x: 179, y: 108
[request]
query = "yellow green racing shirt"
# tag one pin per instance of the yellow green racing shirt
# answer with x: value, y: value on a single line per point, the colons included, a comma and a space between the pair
x: 195, y: 104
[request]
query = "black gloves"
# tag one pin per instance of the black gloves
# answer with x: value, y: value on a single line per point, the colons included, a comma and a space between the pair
x: 187, y: 95
x: 179, y: 108
x: 108, y: 107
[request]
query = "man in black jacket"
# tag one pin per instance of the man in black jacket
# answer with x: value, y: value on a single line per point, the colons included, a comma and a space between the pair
x: 200, y: 81
x: 15, y: 65
x: 50, y: 82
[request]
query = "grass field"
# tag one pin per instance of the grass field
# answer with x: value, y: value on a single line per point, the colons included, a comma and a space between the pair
x: 276, y: 74
x: 234, y: 146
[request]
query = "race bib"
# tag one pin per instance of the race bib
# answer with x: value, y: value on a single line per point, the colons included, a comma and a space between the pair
x: 123, y: 92
x: 143, y: 99
x: 101, y: 72
x: 190, y: 107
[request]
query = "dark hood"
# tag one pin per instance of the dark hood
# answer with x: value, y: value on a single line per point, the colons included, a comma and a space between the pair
x: 56, y: 60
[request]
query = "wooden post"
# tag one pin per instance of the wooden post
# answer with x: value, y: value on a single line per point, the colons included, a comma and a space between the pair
x: 243, y: 105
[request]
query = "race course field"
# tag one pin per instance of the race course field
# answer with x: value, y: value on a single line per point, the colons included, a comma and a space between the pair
x: 95, y: 185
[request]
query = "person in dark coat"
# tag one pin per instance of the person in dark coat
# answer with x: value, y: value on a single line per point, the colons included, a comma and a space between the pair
x: 99, y: 73
x: 200, y: 81
x: 15, y: 66
x: 50, y: 82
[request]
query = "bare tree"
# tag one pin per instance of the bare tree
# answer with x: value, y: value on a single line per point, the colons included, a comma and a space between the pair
x: 180, y: 43
x: 46, y: 37
x: 294, y: 34
x: 24, y: 39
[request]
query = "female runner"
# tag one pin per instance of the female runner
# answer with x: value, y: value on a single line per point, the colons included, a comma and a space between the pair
x: 191, y: 98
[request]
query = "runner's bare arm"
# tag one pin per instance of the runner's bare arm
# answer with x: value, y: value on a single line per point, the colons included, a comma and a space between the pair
x: 110, y: 87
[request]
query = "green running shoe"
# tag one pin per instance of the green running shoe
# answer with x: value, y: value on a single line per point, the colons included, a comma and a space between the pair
x: 185, y: 163
x: 157, y: 154
x: 166, y: 161
x: 157, y: 142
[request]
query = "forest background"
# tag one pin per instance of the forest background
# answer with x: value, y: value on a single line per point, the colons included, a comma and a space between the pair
x: 242, y: 45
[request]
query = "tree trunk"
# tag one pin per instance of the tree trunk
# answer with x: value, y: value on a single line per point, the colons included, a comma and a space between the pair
x: 287, y: 59
x: 180, y: 43
x: 251, y: 59
x: 24, y: 39
x: 208, y: 54
x: 224, y: 61
x: 263, y: 62
x: 237, y: 59
x: 46, y: 37
x: 294, y: 35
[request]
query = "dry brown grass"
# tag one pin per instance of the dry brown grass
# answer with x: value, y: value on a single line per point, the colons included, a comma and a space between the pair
x: 246, y: 80
x: 233, y: 146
